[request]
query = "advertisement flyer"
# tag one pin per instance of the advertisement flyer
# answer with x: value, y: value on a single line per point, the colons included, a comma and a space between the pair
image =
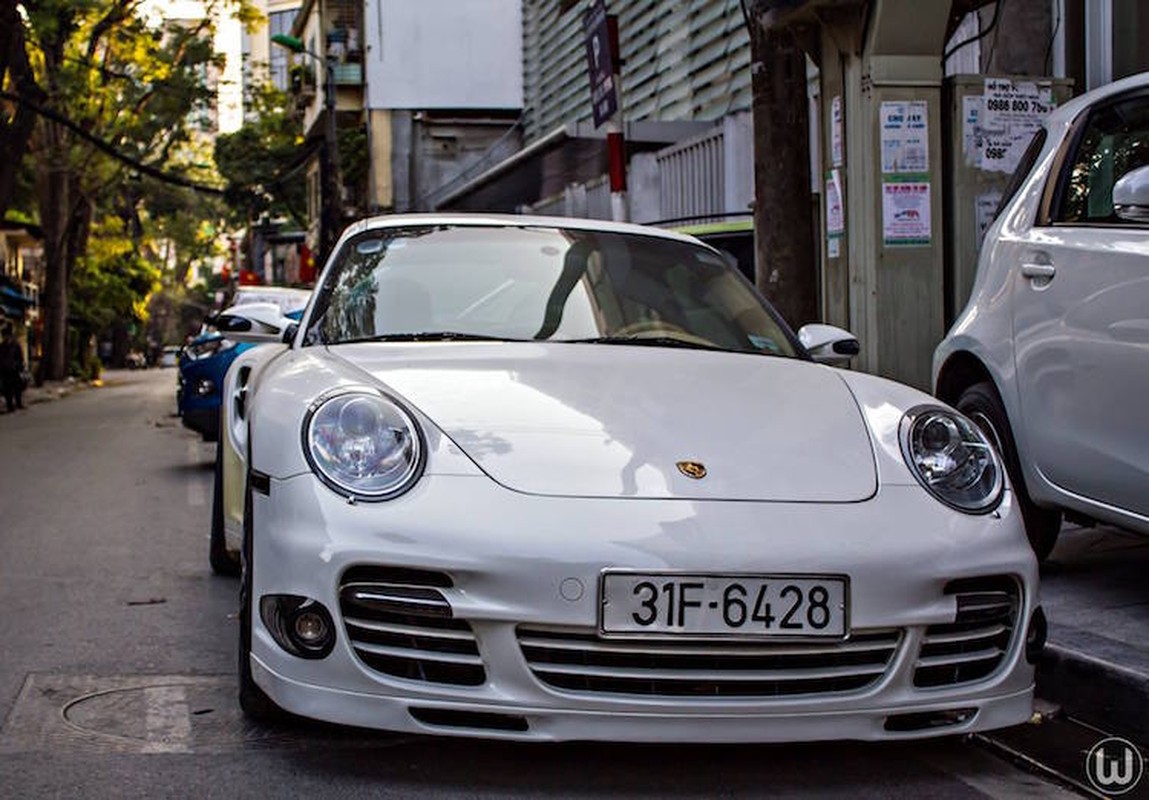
x: 906, y: 214
x: 835, y: 214
x: 997, y: 127
x: 836, y: 131
x: 905, y: 137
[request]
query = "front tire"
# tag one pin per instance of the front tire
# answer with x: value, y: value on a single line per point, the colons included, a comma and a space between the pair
x: 256, y: 705
x: 222, y: 562
x: 983, y: 405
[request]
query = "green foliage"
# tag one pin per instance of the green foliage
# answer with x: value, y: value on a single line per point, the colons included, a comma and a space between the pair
x: 112, y: 282
x: 262, y: 162
x: 141, y: 88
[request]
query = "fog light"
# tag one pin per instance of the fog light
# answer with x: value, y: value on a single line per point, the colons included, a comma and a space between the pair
x: 310, y: 627
x: 300, y: 625
x: 1035, y: 636
x: 204, y: 386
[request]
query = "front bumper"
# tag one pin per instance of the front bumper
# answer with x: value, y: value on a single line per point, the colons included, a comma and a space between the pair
x: 204, y: 421
x: 518, y: 563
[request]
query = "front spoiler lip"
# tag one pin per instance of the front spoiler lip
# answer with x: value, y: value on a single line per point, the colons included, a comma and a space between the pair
x: 391, y: 713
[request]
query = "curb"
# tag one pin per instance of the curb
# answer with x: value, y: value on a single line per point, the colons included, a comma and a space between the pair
x: 1108, y: 696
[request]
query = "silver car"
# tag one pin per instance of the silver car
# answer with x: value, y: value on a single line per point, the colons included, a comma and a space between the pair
x: 1051, y: 355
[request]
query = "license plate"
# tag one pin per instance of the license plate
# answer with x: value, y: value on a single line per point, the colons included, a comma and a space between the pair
x: 709, y: 605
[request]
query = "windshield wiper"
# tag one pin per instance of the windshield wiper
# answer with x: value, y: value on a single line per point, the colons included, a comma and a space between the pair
x: 428, y: 336
x: 652, y: 341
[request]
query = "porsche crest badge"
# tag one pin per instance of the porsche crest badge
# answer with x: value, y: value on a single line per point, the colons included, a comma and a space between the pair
x: 692, y: 469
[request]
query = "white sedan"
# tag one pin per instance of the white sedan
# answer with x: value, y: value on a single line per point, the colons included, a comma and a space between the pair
x: 1050, y: 355
x: 555, y: 479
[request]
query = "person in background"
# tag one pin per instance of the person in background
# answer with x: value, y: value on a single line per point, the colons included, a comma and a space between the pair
x: 11, y: 369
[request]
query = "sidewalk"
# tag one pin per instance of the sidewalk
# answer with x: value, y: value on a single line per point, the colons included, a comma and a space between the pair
x: 1095, y: 591
x: 54, y: 390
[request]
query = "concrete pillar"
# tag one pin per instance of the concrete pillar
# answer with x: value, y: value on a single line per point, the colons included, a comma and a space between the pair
x: 380, y: 183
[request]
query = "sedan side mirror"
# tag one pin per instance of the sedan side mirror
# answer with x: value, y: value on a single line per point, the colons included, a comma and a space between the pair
x: 254, y: 322
x: 828, y: 344
x: 1131, y: 195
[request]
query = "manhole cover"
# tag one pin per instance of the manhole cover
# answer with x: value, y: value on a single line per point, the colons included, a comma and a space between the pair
x: 155, y: 714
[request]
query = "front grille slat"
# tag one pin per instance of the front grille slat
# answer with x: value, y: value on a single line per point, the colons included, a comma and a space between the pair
x: 579, y: 661
x: 710, y: 675
x: 620, y: 647
x: 400, y: 624
x: 994, y: 654
x: 965, y: 636
x: 975, y: 644
x: 409, y: 630
x: 420, y: 655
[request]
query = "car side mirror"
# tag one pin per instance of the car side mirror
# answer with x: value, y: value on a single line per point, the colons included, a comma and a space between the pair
x: 253, y: 322
x: 1131, y: 195
x: 828, y: 344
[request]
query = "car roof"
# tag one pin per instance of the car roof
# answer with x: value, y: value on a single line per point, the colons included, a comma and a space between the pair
x: 513, y: 220
x: 1068, y: 112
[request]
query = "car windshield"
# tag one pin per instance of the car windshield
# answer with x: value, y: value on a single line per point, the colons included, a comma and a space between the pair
x: 452, y: 282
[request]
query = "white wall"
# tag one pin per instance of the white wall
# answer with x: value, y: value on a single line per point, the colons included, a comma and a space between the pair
x: 425, y: 54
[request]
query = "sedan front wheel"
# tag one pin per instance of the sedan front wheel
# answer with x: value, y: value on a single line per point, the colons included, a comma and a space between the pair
x: 982, y: 404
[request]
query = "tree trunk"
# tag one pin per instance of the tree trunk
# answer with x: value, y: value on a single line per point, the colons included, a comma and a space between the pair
x: 55, y: 203
x: 786, y: 268
x: 16, y: 131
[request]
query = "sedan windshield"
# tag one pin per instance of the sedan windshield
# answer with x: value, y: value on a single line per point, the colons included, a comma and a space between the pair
x: 464, y: 282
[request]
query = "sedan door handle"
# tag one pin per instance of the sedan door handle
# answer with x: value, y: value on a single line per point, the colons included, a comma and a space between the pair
x: 1045, y: 271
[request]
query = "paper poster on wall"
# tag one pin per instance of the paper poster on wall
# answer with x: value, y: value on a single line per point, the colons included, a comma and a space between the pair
x: 836, y: 131
x: 1009, y: 115
x: 905, y: 137
x: 835, y: 216
x: 906, y: 214
x: 985, y: 209
x: 971, y: 129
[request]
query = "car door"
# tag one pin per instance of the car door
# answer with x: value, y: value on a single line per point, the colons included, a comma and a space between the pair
x: 1081, y: 317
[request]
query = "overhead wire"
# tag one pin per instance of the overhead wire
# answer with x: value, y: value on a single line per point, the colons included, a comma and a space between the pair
x: 981, y: 34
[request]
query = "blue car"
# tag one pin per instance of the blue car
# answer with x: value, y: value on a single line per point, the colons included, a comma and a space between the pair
x: 206, y: 359
x: 202, y: 366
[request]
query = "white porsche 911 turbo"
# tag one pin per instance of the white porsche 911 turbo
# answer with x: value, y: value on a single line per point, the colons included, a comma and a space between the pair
x: 557, y: 479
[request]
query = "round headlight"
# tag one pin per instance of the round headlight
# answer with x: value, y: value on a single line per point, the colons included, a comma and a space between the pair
x: 952, y: 459
x: 363, y: 445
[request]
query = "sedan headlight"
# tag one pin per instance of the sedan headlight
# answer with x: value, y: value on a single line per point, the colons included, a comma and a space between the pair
x: 363, y: 445
x: 952, y: 459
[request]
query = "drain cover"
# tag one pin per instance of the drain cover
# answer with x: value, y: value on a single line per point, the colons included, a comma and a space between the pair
x: 136, y: 714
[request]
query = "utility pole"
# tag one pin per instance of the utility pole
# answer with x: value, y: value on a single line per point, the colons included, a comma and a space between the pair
x: 785, y: 257
x: 332, y: 185
x: 331, y: 214
x: 604, y: 67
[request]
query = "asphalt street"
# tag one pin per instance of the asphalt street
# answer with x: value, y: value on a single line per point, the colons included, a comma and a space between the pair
x: 117, y: 662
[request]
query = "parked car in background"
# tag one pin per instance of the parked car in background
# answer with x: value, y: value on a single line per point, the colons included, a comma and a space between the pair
x: 544, y: 479
x: 170, y: 356
x: 733, y: 236
x: 205, y: 360
x: 1051, y: 355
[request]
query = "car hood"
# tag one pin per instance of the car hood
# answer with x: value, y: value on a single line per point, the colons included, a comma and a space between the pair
x: 610, y: 421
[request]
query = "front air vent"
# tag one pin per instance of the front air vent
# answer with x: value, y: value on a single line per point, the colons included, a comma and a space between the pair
x: 401, y: 625
x: 474, y: 720
x: 974, y: 645
x: 578, y: 661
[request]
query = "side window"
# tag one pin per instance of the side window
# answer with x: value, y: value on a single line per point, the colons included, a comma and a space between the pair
x: 1115, y: 141
x: 1024, y: 167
